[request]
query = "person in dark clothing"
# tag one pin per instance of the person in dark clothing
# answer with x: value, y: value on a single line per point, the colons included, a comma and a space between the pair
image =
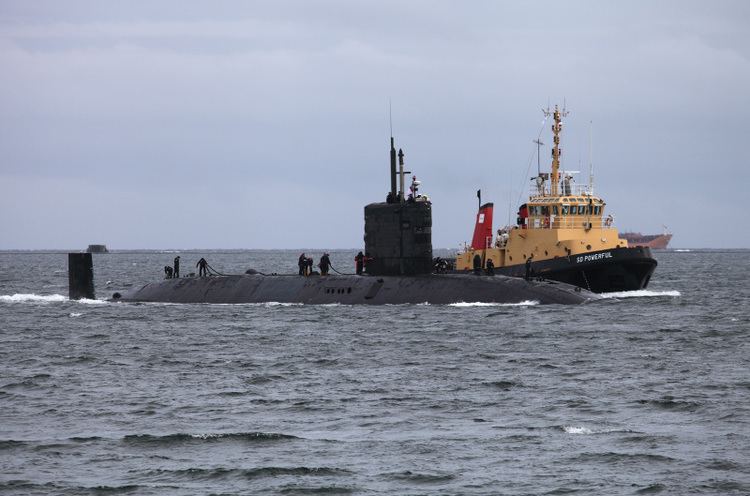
x: 490, y: 267
x: 309, y: 266
x: 202, y: 267
x: 177, y: 267
x: 529, y: 272
x: 359, y: 263
x: 325, y: 264
x: 168, y: 271
x: 477, y: 264
x: 302, y: 263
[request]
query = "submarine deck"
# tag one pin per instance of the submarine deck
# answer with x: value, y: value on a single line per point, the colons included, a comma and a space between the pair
x: 352, y: 289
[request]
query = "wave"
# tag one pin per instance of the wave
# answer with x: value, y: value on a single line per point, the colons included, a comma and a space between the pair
x: 616, y: 458
x: 525, y: 303
x: 10, y: 444
x: 651, y: 489
x: 423, y: 478
x: 244, y: 473
x: 171, y: 439
x: 29, y: 487
x: 682, y: 250
x: 503, y: 385
x: 640, y: 293
x: 31, y: 297
x: 672, y: 404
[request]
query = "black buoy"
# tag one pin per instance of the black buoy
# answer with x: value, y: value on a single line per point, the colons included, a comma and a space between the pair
x: 80, y: 276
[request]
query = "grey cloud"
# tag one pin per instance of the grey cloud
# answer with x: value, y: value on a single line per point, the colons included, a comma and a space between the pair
x: 184, y: 114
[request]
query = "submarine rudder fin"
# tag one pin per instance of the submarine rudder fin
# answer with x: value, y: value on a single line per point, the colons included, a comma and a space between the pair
x: 80, y: 276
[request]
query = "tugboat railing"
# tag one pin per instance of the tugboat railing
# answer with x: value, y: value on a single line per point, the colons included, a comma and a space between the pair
x: 567, y: 222
x: 565, y: 190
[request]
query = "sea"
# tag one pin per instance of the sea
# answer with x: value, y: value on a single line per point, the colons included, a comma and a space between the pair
x: 644, y: 392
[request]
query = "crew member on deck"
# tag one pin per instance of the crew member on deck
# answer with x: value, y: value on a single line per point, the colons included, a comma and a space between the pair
x: 528, y: 268
x: 168, y: 271
x: 302, y: 263
x: 308, y: 266
x: 359, y: 263
x: 202, y: 267
x: 177, y: 266
x: 325, y: 264
x: 490, y: 267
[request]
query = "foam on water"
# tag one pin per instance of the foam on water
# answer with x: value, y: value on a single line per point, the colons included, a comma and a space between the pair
x: 30, y: 297
x: 640, y: 293
x: 87, y: 301
x: 579, y: 429
x: 53, y: 298
x: 525, y: 303
x: 572, y: 429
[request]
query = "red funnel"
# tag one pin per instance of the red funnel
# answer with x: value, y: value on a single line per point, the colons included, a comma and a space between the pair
x: 483, y: 228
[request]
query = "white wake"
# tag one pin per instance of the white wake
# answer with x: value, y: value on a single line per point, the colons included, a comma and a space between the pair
x: 53, y: 298
x: 640, y: 293
x: 526, y: 303
x: 26, y: 297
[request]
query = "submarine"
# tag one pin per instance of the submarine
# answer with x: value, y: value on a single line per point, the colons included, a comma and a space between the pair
x: 400, y: 269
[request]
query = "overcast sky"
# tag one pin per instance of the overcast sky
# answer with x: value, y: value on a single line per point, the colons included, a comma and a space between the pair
x: 265, y: 124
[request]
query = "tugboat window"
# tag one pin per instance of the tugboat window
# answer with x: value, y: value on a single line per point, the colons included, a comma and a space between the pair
x: 565, y: 210
x: 554, y: 210
x: 581, y: 209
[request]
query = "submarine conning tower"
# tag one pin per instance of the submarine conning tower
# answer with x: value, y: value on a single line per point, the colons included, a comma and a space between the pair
x: 398, y: 232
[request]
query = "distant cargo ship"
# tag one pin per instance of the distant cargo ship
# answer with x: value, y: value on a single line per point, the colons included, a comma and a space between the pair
x: 655, y: 241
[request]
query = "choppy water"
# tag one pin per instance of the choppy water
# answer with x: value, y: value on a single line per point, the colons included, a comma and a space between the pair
x: 641, y: 393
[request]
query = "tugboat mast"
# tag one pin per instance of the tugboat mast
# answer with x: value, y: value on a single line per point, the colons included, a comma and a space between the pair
x: 557, y: 115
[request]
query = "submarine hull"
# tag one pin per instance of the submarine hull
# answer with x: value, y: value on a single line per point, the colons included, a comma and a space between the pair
x: 605, y: 271
x: 351, y: 290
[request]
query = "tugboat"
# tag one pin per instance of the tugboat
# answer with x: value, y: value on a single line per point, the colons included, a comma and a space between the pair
x: 561, y: 233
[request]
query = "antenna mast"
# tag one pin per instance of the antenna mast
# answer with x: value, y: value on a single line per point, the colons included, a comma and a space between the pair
x: 557, y: 115
x: 591, y: 161
x: 392, y: 195
x: 390, y: 115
